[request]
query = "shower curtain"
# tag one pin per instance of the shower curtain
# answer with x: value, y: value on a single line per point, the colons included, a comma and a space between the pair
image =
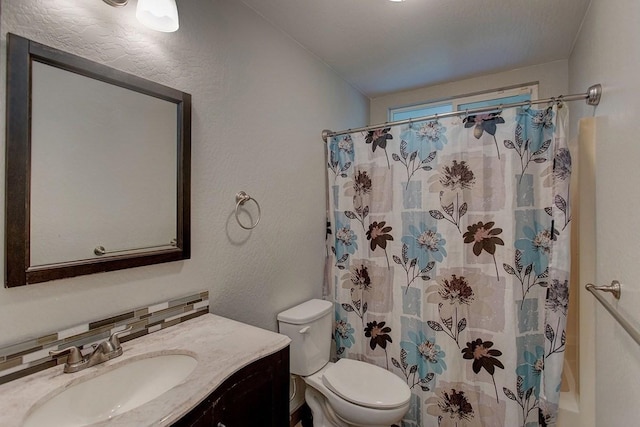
x: 448, y: 262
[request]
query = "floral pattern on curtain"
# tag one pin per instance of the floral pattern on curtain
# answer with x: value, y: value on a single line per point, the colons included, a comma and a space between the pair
x: 448, y: 262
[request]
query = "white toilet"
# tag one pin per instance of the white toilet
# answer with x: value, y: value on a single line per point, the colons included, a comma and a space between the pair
x: 342, y: 394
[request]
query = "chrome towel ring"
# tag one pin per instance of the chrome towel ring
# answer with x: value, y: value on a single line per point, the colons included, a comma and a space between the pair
x: 241, y: 199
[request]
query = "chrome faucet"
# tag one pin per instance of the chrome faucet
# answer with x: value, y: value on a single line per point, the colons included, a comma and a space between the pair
x: 106, y: 350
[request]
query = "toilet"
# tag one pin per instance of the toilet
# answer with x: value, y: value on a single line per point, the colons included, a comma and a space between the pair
x: 345, y: 393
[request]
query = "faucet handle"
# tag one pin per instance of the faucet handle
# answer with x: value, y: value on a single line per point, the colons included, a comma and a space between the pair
x: 114, y: 339
x: 75, y: 356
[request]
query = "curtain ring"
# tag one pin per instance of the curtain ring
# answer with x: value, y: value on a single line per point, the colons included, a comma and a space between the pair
x: 241, y: 199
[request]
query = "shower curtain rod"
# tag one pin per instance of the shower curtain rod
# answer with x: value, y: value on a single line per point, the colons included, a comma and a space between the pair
x: 592, y: 97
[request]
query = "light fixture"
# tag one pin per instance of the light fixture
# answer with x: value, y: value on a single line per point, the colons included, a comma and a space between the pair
x: 159, y: 15
x: 116, y: 3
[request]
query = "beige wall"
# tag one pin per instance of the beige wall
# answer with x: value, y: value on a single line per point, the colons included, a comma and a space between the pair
x: 260, y: 102
x: 606, y: 52
x: 552, y: 79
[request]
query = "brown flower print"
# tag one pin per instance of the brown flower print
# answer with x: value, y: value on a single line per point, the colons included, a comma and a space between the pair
x: 379, y: 334
x: 378, y: 234
x: 362, y: 183
x: 456, y: 405
x: 360, y: 278
x: 361, y: 281
x: 484, y: 357
x: 379, y: 138
x: 458, y: 176
x: 362, y: 186
x: 484, y: 238
x: 456, y: 290
x: 455, y: 178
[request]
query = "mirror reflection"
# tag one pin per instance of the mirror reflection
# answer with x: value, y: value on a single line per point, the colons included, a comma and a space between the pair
x: 88, y: 187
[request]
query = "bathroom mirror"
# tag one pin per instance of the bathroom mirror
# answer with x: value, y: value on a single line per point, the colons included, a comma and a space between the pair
x: 97, y: 167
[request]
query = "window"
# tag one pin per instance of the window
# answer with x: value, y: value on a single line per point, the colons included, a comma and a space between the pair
x: 487, y: 99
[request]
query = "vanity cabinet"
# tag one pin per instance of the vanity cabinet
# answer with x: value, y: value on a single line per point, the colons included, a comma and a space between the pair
x: 256, y: 395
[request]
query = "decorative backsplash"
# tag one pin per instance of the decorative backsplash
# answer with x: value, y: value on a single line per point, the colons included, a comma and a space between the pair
x: 28, y: 357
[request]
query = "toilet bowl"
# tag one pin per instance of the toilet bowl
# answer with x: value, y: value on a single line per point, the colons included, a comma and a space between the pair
x: 359, y: 394
x: 342, y: 394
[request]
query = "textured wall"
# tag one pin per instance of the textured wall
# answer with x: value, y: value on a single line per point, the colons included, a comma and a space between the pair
x: 606, y: 52
x: 260, y: 102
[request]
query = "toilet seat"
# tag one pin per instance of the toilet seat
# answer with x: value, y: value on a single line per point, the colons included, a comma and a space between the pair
x: 350, y: 413
x: 366, y: 385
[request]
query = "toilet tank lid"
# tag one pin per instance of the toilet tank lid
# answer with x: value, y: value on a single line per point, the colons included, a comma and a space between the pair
x: 306, y: 312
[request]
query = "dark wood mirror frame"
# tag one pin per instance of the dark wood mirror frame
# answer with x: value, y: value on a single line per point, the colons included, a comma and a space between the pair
x: 18, y: 271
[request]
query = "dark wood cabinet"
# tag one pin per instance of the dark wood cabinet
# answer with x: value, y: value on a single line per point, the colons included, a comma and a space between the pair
x: 256, y: 395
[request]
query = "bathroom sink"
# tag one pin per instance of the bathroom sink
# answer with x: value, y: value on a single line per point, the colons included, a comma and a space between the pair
x: 114, y: 392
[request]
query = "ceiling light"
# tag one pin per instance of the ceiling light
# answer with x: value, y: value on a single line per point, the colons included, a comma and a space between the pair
x: 159, y: 15
x: 116, y: 3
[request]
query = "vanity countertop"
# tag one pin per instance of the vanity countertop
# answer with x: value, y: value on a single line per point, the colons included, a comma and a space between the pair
x: 221, y: 346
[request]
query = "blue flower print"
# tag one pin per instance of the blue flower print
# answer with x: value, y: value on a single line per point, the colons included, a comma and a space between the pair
x: 531, y: 370
x: 345, y: 240
x: 425, y: 244
x: 425, y: 353
x: 343, y: 334
x: 537, y: 126
x: 424, y: 137
x: 341, y: 155
x: 536, y: 247
x: 342, y: 148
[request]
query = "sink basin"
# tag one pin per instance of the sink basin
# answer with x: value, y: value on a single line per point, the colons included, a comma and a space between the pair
x: 116, y: 391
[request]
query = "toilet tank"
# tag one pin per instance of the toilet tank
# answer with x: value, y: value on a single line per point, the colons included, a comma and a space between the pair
x: 309, y: 325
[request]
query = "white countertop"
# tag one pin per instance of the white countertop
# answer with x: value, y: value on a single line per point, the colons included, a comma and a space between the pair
x: 221, y: 346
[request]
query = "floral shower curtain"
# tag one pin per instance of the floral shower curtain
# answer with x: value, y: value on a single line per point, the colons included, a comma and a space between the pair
x: 448, y: 262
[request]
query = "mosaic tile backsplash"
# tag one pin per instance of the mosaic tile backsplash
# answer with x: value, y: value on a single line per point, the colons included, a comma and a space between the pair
x: 28, y: 357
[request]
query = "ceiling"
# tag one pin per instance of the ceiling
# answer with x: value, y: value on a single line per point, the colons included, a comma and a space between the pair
x: 381, y: 46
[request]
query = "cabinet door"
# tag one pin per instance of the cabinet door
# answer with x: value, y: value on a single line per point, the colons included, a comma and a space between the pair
x: 204, y: 420
x: 255, y: 396
x: 201, y: 416
x: 258, y: 397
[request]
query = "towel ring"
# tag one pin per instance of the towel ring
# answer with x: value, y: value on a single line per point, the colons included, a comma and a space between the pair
x: 241, y: 199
